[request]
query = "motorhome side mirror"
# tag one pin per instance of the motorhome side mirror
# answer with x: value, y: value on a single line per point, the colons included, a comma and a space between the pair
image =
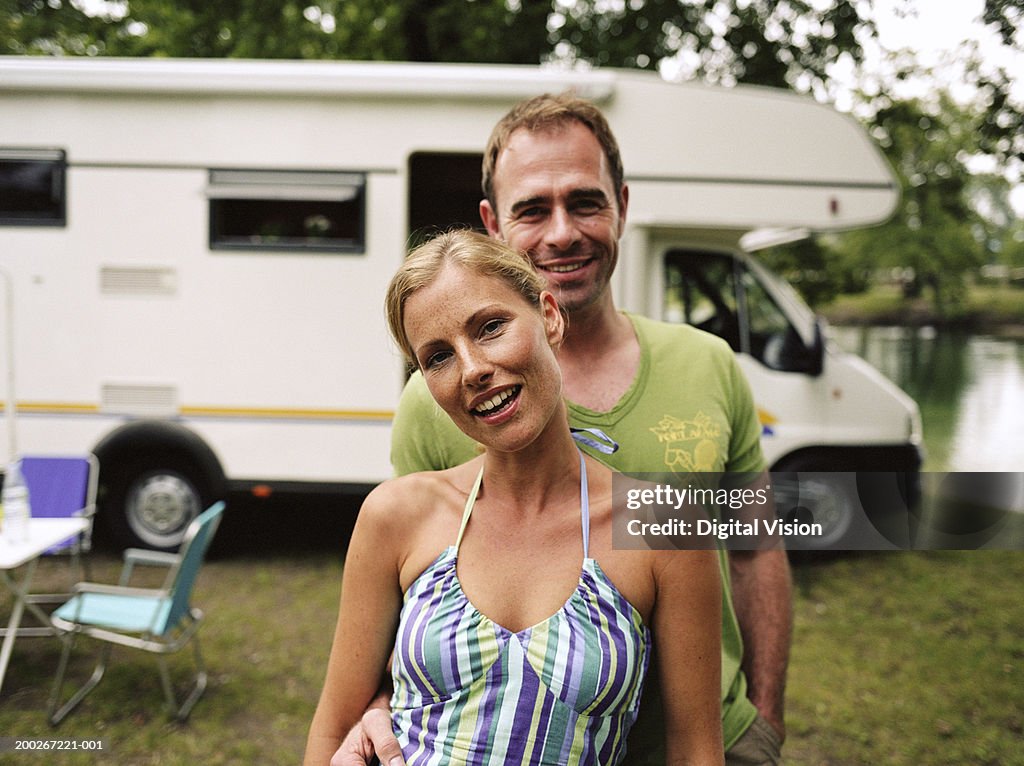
x: 786, y: 351
x: 808, y: 359
x: 794, y: 355
x: 813, y: 357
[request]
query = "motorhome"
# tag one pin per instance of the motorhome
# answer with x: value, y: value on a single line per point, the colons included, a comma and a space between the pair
x: 196, y: 254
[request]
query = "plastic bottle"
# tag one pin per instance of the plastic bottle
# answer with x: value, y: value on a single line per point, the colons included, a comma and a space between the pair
x: 17, y: 510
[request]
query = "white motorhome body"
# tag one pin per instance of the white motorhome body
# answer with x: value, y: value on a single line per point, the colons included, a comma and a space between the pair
x: 198, y: 252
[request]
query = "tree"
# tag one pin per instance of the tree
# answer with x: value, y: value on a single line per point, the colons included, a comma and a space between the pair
x: 416, y: 30
x: 771, y: 42
x: 953, y: 215
x: 935, y: 232
x: 1001, y: 131
x: 783, y: 43
x: 818, y: 270
x: 949, y: 222
x: 1001, y: 229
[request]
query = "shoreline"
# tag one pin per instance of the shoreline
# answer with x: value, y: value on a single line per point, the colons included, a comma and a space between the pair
x: 971, y: 324
x: 987, y: 311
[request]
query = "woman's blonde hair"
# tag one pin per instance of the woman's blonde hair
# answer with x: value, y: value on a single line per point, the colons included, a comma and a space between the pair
x: 462, y: 247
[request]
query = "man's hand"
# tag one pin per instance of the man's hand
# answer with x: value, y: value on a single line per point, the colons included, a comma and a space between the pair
x: 356, y: 749
x: 761, y: 592
x: 371, y: 736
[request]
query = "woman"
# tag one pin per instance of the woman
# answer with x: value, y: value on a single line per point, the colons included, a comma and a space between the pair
x: 519, y: 634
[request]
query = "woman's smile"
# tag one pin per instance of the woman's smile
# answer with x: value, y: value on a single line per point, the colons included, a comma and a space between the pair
x: 487, y: 355
x: 499, y: 403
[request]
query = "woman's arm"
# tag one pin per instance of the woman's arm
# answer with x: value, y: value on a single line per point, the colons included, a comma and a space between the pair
x: 687, y: 627
x: 371, y: 598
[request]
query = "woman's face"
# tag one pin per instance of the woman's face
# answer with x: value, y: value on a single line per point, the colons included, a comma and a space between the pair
x: 487, y: 356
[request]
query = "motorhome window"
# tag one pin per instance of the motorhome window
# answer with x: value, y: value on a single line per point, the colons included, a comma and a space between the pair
x: 773, y: 340
x: 32, y: 188
x: 700, y: 289
x: 287, y: 210
x: 444, y: 192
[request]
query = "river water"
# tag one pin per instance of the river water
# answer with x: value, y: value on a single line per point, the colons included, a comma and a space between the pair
x: 970, y: 389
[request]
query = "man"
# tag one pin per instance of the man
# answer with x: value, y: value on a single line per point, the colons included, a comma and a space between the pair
x: 673, y: 398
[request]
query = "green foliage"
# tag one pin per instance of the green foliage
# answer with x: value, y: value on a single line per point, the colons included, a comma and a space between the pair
x: 415, y: 30
x: 771, y: 42
x: 1002, y: 229
x: 935, y: 231
x: 784, y: 43
x: 817, y: 272
x: 1001, y: 132
x: 1007, y: 16
x: 952, y: 218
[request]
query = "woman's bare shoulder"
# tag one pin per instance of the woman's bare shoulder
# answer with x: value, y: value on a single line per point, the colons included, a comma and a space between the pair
x: 417, y: 496
x: 413, y: 518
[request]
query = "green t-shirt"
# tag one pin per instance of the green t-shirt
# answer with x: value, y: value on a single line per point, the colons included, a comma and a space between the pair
x: 689, y: 409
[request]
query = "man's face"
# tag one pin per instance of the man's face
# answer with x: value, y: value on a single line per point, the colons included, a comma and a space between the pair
x: 556, y: 201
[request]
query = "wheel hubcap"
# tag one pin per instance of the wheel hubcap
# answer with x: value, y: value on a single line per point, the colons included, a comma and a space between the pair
x: 160, y: 507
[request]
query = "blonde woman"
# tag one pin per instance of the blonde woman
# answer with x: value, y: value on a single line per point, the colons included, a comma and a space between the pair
x: 519, y: 634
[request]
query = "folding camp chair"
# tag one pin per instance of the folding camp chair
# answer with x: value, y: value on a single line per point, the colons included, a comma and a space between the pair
x: 61, y: 487
x: 161, y: 620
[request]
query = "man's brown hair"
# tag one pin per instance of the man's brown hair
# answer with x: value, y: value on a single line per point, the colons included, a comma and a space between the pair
x: 544, y: 113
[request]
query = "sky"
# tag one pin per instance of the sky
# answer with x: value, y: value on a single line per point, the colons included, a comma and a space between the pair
x: 938, y: 27
x: 934, y: 34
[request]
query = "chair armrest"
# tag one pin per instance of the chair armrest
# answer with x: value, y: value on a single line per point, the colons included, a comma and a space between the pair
x: 117, y: 590
x: 150, y: 558
x: 133, y: 556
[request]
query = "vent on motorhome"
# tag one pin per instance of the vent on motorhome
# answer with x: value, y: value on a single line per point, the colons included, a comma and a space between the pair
x: 134, y: 280
x: 139, y: 400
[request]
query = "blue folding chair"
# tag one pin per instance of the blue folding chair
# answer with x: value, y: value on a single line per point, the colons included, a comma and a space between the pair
x: 160, y: 621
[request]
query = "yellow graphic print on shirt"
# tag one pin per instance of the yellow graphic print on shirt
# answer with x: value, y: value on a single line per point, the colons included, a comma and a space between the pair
x: 690, y: 445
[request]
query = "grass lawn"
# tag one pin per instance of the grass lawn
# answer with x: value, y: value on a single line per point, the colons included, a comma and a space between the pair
x: 903, y: 658
x: 908, y: 658
x: 265, y: 641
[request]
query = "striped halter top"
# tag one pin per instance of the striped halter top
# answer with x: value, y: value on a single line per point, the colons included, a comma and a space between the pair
x: 564, y: 691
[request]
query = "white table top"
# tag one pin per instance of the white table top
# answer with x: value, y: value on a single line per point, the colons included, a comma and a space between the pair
x: 42, y: 535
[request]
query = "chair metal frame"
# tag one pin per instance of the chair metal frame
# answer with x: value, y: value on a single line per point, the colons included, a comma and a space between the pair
x: 117, y: 614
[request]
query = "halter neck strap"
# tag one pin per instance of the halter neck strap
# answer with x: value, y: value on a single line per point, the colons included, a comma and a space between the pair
x: 596, y: 439
x: 584, y: 506
x: 470, y: 502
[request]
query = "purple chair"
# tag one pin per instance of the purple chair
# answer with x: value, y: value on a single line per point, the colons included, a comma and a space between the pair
x: 62, y: 486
